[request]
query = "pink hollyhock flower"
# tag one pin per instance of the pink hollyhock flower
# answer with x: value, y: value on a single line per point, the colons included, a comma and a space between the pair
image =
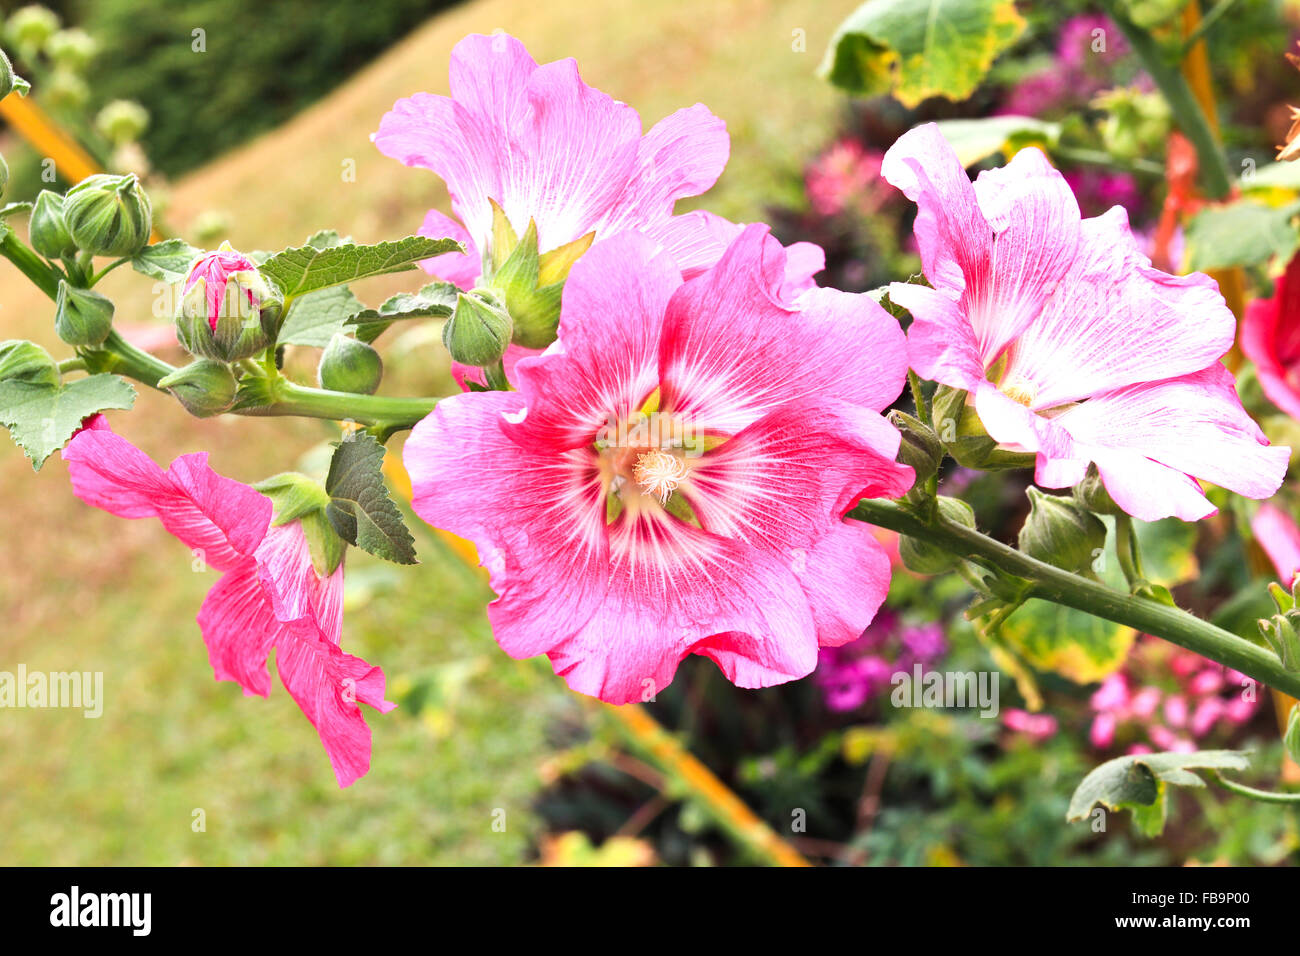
x: 1034, y: 726
x: 1279, y: 536
x: 1102, y: 732
x: 215, y: 270
x: 269, y: 595
x: 1071, y: 346
x: 845, y: 178
x: 672, y: 474
x: 1270, y: 337
x: 542, y: 145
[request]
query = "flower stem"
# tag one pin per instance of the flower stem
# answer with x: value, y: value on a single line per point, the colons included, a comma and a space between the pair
x: 1263, y: 796
x: 394, y: 414
x: 44, y: 276
x: 1071, y: 590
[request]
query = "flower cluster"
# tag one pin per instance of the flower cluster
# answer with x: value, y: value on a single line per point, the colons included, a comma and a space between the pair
x: 854, y: 673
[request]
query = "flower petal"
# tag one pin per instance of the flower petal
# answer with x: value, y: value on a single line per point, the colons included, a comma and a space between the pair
x: 1270, y: 337
x: 696, y: 240
x: 1279, y: 536
x: 846, y: 577
x: 293, y: 585
x: 240, y: 628
x: 463, y: 269
x: 732, y: 349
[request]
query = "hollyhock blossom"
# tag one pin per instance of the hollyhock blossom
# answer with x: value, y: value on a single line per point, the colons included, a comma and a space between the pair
x: 1270, y: 337
x: 215, y: 270
x: 1070, y: 345
x: 671, y: 476
x: 543, y: 146
x: 1279, y: 536
x: 269, y: 596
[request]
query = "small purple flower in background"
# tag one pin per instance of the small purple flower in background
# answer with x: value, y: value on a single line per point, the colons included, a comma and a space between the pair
x: 1033, y: 726
x: 1097, y: 190
x: 1087, y: 55
x: 1205, y: 699
x: 854, y: 673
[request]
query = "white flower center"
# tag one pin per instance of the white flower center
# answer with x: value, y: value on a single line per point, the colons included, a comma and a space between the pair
x: 658, y: 472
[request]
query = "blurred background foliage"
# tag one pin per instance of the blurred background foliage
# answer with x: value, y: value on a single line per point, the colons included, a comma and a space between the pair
x: 478, y: 738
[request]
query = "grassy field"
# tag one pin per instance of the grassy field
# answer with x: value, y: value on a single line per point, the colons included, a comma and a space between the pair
x: 80, y: 590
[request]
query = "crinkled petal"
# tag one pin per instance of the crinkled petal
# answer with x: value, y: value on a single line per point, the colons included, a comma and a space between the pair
x: 295, y: 588
x: 696, y: 240
x: 1270, y: 337
x: 1279, y: 536
x: 239, y: 628
x: 845, y: 575
x: 941, y: 344
x: 733, y: 350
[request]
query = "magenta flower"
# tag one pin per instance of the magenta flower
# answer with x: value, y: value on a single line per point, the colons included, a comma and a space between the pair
x: 269, y: 595
x: 1034, y: 726
x: 1279, y: 536
x: 1070, y: 344
x: 671, y: 476
x: 1270, y: 337
x: 846, y: 178
x: 215, y: 270
x: 542, y: 145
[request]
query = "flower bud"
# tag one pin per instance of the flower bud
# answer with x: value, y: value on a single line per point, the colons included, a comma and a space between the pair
x: 48, y: 230
x: 108, y: 215
x: 963, y: 434
x: 920, y: 447
x: 479, y: 329
x: 82, y: 316
x: 6, y: 75
x: 30, y: 27
x: 4, y: 175
x: 1061, y: 533
x: 925, y: 558
x: 1091, y: 495
x: 71, y: 49
x: 22, y: 361
x: 228, y: 311
x: 349, y: 365
x: 122, y: 121
x: 204, y: 387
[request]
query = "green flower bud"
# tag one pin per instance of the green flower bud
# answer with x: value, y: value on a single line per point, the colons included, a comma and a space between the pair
x: 71, y: 49
x: 963, y: 434
x: 30, y: 27
x: 479, y: 329
x: 6, y: 75
x: 1061, y: 533
x: 920, y: 447
x: 1292, y: 736
x: 48, y: 230
x: 82, y: 316
x: 122, y: 121
x: 22, y: 361
x: 204, y: 387
x: 4, y: 175
x: 926, y: 558
x: 349, y: 365
x: 1091, y: 495
x: 109, y: 215
x: 66, y: 90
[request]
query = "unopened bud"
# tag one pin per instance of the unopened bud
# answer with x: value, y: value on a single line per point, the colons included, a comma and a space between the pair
x: 122, y: 121
x: 30, y: 27
x: 228, y: 310
x: 963, y: 434
x: 1091, y: 495
x: 925, y: 558
x: 479, y: 329
x: 22, y: 361
x: 349, y: 365
x: 920, y: 447
x: 6, y: 75
x: 47, y: 230
x: 82, y: 316
x: 204, y: 387
x: 109, y: 215
x: 1061, y: 533
x: 71, y: 49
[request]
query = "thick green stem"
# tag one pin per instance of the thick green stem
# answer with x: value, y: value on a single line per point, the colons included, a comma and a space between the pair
x: 391, y: 413
x: 1071, y: 590
x: 43, y: 275
x: 1187, y: 113
x: 1263, y: 796
x: 118, y: 355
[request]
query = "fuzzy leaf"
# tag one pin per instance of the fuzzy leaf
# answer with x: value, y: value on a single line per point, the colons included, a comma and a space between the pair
x: 308, y: 268
x: 437, y: 299
x: 169, y: 260
x: 315, y: 317
x: 360, y: 509
x: 1243, y: 233
x: 42, y: 417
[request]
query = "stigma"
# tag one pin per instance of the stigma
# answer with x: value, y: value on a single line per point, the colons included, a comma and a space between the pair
x: 659, y: 473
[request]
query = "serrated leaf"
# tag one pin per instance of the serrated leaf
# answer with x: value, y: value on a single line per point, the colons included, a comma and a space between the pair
x: 437, y: 299
x: 169, y: 260
x: 360, y: 509
x: 1137, y: 782
x: 41, y: 418
x: 307, y: 268
x: 1243, y: 233
x: 918, y: 50
x: 315, y: 317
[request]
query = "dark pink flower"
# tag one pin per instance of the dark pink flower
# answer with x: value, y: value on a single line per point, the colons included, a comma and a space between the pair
x: 269, y: 596
x: 1034, y: 726
x: 214, y: 270
x: 1270, y: 337
x: 846, y: 178
x: 1070, y: 344
x: 672, y: 474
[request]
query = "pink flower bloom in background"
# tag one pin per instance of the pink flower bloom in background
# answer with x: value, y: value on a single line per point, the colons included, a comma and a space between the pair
x: 1097, y: 190
x: 215, y: 270
x: 1088, y: 55
x: 851, y: 674
x: 1279, y: 536
x: 846, y: 178
x: 269, y: 595
x: 1071, y: 346
x: 542, y: 145
x: 1181, y: 698
x: 672, y: 474
x: 1033, y: 726
x: 1270, y: 337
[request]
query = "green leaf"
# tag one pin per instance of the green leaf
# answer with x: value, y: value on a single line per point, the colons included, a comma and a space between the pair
x: 315, y: 317
x: 1137, y: 782
x: 918, y: 50
x: 360, y: 509
x: 437, y: 299
x: 169, y: 260
x: 975, y: 140
x: 308, y: 268
x: 13, y: 208
x: 42, y: 417
x: 1275, y: 175
x: 1243, y: 233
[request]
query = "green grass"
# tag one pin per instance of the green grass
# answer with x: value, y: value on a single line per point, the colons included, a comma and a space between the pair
x: 82, y: 590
